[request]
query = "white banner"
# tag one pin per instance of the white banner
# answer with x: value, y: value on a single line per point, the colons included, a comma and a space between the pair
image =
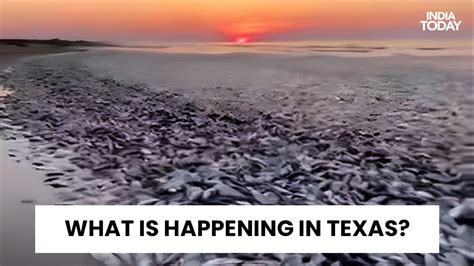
x: 237, y: 229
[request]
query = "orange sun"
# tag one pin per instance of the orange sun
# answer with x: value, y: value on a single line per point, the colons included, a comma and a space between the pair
x: 241, y: 40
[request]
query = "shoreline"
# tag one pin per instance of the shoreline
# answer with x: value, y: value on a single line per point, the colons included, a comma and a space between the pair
x: 21, y: 189
x: 312, y: 48
x: 138, y: 145
x: 131, y: 143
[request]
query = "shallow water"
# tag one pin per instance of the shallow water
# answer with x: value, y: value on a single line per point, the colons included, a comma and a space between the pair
x: 21, y: 189
x: 247, y: 81
x: 345, y: 48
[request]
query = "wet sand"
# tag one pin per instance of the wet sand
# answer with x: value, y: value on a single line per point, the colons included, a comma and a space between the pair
x: 21, y: 188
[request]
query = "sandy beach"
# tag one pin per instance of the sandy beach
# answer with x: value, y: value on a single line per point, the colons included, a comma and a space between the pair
x: 136, y: 126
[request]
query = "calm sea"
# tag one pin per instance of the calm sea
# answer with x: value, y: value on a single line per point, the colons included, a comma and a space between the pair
x: 341, y: 48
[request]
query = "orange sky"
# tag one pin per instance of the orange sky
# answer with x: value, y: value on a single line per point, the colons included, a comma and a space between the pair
x: 222, y: 20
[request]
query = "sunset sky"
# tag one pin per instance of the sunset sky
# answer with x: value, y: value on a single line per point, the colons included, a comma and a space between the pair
x: 225, y: 20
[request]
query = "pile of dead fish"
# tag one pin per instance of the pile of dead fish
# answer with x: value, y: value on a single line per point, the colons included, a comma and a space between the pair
x: 126, y: 144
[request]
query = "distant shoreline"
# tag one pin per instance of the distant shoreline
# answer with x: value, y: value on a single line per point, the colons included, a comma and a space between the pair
x: 25, y: 47
x: 53, y: 42
x: 12, y: 50
x: 343, y: 48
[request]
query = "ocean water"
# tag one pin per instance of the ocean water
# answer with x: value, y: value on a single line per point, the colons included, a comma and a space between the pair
x: 339, y: 48
x: 191, y: 67
x: 223, y: 77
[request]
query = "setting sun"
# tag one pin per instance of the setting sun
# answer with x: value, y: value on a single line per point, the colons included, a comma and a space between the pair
x: 242, y: 40
x: 217, y: 20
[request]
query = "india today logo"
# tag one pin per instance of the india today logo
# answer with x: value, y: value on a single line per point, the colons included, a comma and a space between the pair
x: 440, y: 21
